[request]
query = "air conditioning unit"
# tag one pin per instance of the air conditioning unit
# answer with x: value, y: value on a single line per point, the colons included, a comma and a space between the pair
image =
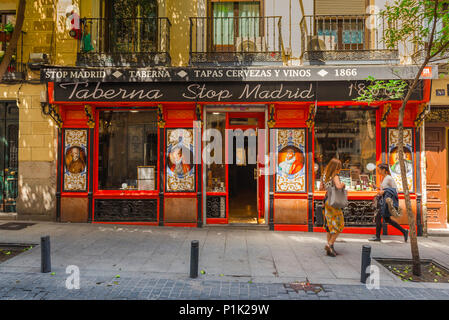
x: 250, y: 44
x: 322, y: 43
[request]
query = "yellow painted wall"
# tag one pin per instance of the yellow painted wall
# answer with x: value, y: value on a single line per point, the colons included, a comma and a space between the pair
x: 8, y: 5
x: 46, y: 34
x: 440, y: 84
x: 179, y: 12
x: 37, y: 133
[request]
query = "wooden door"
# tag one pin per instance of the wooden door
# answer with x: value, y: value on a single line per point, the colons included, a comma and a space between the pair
x: 436, y: 154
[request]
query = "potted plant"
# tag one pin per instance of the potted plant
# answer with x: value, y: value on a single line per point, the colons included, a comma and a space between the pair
x: 6, y: 31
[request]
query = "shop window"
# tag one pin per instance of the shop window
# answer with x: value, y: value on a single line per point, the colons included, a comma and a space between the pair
x: 128, y: 150
x: 216, y: 172
x: 348, y: 135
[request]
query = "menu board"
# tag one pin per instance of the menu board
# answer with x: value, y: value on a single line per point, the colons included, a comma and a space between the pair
x: 145, y: 178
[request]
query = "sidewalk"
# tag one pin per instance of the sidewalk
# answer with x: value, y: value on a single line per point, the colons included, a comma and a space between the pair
x: 249, y: 257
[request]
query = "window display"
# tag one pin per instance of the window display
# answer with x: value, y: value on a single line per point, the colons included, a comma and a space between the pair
x: 393, y: 157
x: 127, y: 144
x: 216, y: 172
x: 347, y: 134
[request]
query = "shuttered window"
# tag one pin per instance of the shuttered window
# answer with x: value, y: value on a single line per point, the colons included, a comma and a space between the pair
x: 340, y: 7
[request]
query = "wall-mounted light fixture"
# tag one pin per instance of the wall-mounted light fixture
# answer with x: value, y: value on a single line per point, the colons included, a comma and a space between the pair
x: 37, y: 60
x: 50, y: 110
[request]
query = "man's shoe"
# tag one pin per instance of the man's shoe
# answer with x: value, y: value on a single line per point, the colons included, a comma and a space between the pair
x: 374, y: 239
x: 405, y: 235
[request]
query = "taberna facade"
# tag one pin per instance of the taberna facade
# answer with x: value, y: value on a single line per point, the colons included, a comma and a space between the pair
x: 135, y: 145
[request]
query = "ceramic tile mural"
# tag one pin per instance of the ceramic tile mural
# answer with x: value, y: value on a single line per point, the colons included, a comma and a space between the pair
x: 75, y: 160
x: 291, y: 161
x: 180, y: 170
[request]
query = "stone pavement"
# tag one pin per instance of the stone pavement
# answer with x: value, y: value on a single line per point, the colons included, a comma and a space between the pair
x: 39, y: 286
x: 153, y: 263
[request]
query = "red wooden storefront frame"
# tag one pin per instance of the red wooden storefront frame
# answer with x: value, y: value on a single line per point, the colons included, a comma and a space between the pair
x: 412, y: 107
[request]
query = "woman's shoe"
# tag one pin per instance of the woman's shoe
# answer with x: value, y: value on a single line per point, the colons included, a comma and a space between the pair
x: 328, y: 250
x: 405, y: 235
x: 333, y: 252
x: 374, y: 239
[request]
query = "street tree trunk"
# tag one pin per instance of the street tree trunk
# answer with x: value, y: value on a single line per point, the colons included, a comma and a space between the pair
x: 411, y: 218
x: 20, y: 16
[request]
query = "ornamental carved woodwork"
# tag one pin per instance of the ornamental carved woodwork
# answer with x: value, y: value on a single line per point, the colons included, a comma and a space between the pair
x: 215, y: 207
x: 125, y: 210
x: 438, y: 115
x: 358, y: 213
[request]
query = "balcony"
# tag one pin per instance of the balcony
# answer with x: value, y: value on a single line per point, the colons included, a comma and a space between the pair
x: 236, y: 41
x: 342, y: 39
x: 16, y: 68
x: 134, y: 42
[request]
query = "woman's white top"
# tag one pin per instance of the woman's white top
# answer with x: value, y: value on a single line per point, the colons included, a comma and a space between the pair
x: 388, y: 182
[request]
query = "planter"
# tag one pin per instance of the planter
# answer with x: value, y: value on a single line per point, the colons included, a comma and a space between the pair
x: 432, y: 271
x: 5, y: 36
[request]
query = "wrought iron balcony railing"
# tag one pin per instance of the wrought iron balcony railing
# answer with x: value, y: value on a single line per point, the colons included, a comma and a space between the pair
x: 137, y: 42
x: 235, y: 40
x: 16, y: 68
x: 344, y: 38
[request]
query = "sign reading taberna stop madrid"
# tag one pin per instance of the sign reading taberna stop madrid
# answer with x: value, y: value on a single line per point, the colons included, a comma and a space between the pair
x: 221, y: 84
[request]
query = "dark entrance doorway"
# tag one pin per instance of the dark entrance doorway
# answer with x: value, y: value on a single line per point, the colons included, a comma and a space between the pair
x: 245, y: 189
x: 243, y: 184
x: 9, y: 142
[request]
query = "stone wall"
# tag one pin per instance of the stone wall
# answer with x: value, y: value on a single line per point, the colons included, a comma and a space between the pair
x: 37, y: 153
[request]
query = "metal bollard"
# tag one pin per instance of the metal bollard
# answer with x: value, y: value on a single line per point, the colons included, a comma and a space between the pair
x: 45, y: 254
x: 194, y: 255
x: 366, y: 261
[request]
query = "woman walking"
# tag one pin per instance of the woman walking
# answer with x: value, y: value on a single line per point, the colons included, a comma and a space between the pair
x: 388, y: 204
x: 334, y: 220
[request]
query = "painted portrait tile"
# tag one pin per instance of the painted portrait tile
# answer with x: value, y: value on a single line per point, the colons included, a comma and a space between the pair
x: 75, y: 160
x: 180, y: 170
x: 290, y: 166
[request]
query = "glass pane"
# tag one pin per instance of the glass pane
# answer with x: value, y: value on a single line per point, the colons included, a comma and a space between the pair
x: 127, y: 145
x: 348, y: 135
x: 134, y: 27
x: 327, y: 32
x: 249, y: 19
x: 353, y: 32
x: 223, y: 27
x: 216, y: 172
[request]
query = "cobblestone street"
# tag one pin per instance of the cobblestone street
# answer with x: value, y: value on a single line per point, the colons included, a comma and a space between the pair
x: 141, y: 262
x: 35, y: 286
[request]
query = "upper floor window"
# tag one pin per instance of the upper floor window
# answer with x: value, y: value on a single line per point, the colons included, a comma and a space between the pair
x: 341, y: 34
x: 132, y: 25
x: 233, y: 21
x: 7, y: 17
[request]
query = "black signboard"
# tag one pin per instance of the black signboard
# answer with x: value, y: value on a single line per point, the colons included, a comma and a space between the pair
x: 238, y: 74
x: 214, y: 91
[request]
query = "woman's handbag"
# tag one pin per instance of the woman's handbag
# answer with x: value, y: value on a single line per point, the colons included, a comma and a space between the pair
x: 337, y: 198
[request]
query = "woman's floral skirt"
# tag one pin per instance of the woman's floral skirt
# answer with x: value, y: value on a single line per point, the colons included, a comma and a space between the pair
x: 335, y: 221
